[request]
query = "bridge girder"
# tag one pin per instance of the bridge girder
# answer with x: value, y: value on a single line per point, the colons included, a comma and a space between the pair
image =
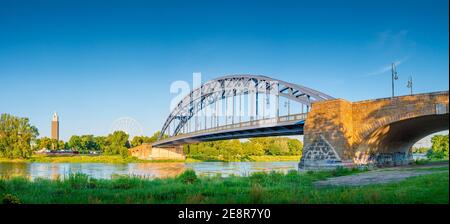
x: 234, y: 85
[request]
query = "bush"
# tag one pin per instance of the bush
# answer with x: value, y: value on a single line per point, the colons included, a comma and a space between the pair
x: 258, y: 177
x: 78, y: 180
x: 435, y: 155
x: 340, y: 171
x: 10, y: 199
x: 126, y: 183
x: 256, y: 194
x: 188, y: 177
x: 439, y: 148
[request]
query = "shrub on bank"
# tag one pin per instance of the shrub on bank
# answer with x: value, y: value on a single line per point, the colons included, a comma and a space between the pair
x: 10, y: 199
x: 188, y: 177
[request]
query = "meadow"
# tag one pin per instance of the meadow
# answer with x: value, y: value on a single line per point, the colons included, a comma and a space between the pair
x: 292, y: 187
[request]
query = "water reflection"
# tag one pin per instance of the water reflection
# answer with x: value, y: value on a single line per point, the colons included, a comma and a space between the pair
x: 146, y: 170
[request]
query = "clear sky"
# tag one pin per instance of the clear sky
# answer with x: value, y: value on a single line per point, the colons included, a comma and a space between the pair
x: 96, y: 61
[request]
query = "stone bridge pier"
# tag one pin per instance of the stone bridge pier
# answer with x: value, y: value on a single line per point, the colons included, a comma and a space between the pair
x: 147, y: 152
x: 379, y: 131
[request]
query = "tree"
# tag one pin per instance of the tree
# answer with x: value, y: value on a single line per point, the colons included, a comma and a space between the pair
x: 16, y: 136
x: 278, y: 147
x: 117, y: 144
x: 420, y: 149
x: 75, y: 143
x: 101, y: 142
x: 295, y: 147
x: 139, y: 140
x: 252, y: 149
x: 44, y: 143
x: 48, y: 143
x: 232, y: 150
x: 88, y: 143
x: 439, y: 149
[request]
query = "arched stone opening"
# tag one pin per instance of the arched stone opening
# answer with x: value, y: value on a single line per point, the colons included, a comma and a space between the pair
x: 391, y: 144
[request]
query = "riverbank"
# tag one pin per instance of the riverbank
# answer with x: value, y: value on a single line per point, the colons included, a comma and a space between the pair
x: 292, y: 187
x: 119, y: 159
x: 75, y: 159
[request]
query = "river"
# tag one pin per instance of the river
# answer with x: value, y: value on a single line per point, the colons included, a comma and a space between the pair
x: 147, y: 170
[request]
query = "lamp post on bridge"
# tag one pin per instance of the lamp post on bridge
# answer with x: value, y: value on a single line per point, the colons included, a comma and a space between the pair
x: 394, y: 77
x: 410, y: 85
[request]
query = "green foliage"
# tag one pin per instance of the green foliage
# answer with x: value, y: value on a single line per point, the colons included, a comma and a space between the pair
x: 75, y: 143
x: 420, y: 149
x: 10, y: 199
x: 117, y: 143
x: 188, y: 177
x: 439, y: 149
x: 78, y: 180
x: 234, y: 150
x: 341, y: 171
x: 113, y: 144
x: 101, y: 142
x: 139, y: 140
x: 16, y: 136
x: 256, y: 194
x: 86, y: 143
x: 49, y: 143
x: 293, y: 187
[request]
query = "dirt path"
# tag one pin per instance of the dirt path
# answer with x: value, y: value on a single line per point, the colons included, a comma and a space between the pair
x: 381, y: 176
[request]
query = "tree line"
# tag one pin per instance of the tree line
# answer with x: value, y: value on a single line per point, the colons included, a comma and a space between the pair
x: 18, y: 139
x: 235, y: 150
x: 116, y: 143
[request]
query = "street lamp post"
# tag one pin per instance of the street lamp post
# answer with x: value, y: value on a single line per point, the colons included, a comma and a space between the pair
x: 394, y: 77
x: 410, y: 85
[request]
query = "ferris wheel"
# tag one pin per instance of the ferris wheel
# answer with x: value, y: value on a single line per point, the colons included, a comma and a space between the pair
x: 128, y: 125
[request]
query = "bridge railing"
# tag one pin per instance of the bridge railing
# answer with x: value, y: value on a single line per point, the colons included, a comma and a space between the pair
x: 254, y: 123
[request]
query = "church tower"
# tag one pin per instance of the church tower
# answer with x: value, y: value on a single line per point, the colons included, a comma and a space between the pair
x: 55, y: 126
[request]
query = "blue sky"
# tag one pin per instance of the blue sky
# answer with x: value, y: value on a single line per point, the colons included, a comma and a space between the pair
x: 96, y: 61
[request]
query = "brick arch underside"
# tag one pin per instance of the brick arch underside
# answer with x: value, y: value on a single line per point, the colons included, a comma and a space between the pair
x: 401, y: 135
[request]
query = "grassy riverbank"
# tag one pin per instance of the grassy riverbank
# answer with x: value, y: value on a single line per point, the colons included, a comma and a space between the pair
x: 274, y: 158
x: 76, y: 159
x: 119, y: 159
x: 257, y: 188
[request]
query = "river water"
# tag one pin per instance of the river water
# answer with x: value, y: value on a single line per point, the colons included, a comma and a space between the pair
x: 147, y: 170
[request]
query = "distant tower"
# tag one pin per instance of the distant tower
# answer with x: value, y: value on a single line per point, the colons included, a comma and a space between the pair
x: 55, y: 127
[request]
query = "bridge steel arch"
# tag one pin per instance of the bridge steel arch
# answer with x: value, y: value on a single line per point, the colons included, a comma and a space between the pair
x: 234, y: 85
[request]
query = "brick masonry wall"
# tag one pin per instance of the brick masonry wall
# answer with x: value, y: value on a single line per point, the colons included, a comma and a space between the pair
x: 350, y: 127
x: 141, y: 152
x: 168, y: 153
x: 333, y: 120
x: 147, y: 152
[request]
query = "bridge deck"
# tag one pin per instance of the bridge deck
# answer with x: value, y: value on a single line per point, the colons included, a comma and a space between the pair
x: 281, y: 126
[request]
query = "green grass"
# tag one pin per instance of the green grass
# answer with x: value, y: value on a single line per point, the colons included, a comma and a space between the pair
x: 265, y: 158
x: 292, y: 187
x: 430, y: 161
x: 274, y: 158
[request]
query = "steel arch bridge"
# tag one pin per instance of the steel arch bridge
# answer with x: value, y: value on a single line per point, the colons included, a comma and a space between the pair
x: 238, y: 106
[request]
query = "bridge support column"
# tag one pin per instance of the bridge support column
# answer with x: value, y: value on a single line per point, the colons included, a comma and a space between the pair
x: 328, y: 135
x: 147, y: 152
